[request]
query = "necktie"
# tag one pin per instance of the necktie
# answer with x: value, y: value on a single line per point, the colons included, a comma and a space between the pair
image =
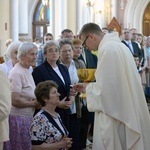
x: 130, y: 47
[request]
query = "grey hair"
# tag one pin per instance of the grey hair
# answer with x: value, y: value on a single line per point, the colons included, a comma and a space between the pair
x: 65, y: 41
x: 12, y: 47
x: 24, y: 48
x: 50, y: 43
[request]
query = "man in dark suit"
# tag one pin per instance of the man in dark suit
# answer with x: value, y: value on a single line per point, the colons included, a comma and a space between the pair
x: 89, y: 59
x: 87, y: 118
x: 40, y: 56
x: 133, y: 46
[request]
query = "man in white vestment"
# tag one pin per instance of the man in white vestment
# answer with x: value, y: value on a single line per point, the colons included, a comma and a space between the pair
x: 5, y: 107
x: 122, y: 120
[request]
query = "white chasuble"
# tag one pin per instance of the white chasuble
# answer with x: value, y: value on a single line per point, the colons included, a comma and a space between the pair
x: 122, y: 120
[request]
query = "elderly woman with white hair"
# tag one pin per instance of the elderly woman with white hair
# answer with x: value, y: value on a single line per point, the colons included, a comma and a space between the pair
x: 11, y: 54
x: 23, y: 98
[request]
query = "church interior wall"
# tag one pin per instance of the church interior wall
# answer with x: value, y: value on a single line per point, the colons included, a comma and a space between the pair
x: 129, y: 14
x: 31, y: 8
x: 71, y: 14
x: 134, y: 11
x: 4, y: 24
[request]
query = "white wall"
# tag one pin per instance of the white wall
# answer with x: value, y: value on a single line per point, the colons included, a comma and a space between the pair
x: 134, y: 12
x: 5, y: 20
x: 31, y: 8
x: 133, y: 15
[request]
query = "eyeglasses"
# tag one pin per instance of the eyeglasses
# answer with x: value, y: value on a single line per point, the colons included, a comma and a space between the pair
x: 84, y: 42
x: 66, y: 51
x: 134, y: 34
x: 68, y: 37
x: 48, y: 39
x: 52, y: 50
x: 126, y: 32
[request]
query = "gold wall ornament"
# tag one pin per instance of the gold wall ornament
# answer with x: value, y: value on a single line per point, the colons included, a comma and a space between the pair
x: 122, y: 4
x: 91, y: 3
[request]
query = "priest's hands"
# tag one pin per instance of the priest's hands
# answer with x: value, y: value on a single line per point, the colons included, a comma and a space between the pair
x: 80, y: 87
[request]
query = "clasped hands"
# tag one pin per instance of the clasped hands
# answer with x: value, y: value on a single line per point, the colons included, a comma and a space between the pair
x: 66, y: 102
x: 66, y: 142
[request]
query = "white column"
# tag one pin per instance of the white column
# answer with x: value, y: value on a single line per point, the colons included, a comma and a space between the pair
x: 52, y: 17
x: 89, y: 18
x: 60, y: 17
x: 102, y: 20
x: 99, y: 13
x: 23, y: 17
x: 79, y: 15
x: 84, y: 12
x: 14, y: 27
x: 91, y: 14
x: 114, y: 8
x: 63, y: 14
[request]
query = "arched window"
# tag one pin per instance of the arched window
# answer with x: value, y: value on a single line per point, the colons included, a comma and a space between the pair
x: 41, y: 20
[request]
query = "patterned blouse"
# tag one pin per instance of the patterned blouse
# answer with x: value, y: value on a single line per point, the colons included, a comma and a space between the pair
x: 46, y: 129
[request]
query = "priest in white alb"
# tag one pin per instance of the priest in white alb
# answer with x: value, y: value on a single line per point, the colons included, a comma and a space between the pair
x: 122, y: 119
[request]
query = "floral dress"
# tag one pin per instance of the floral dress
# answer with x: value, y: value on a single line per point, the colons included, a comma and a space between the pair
x: 46, y: 129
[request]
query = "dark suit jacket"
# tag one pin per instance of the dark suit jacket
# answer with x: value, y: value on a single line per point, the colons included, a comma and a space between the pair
x: 87, y: 117
x: 136, y: 48
x: 45, y: 72
x: 91, y: 59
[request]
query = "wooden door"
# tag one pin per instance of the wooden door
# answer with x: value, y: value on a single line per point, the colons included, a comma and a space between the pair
x: 41, y: 19
x: 146, y: 21
x: 39, y: 30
